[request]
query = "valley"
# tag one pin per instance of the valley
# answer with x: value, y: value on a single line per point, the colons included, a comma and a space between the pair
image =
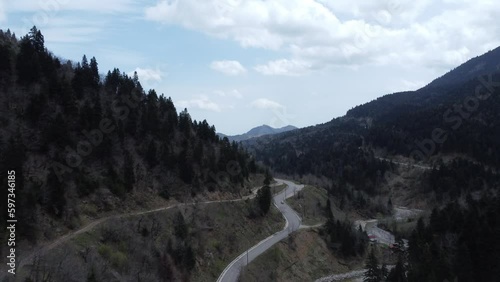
x: 117, y: 181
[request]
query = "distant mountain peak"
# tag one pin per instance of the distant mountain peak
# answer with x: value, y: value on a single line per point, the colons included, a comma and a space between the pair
x: 259, y: 131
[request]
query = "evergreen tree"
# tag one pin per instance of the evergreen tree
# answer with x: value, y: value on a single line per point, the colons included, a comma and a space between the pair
x: 128, y: 172
x: 28, y: 62
x: 267, y: 178
x: 185, y: 122
x: 181, y: 230
x: 264, y: 199
x: 5, y: 63
x: 91, y: 276
x: 397, y: 274
x: 383, y: 272
x: 55, y: 133
x: 94, y: 74
x: 189, y: 258
x: 57, y: 199
x: 372, y: 273
x: 37, y: 40
x: 85, y: 64
x: 151, y: 154
x: 328, y: 210
x: 150, y: 123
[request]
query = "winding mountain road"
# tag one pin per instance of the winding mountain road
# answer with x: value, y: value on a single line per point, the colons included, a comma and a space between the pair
x: 293, y: 223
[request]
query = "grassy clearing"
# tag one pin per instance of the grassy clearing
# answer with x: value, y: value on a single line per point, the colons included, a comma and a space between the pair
x: 310, y: 204
x: 149, y: 247
x: 404, y: 228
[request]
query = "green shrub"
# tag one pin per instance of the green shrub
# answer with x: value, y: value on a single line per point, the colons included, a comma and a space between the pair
x: 105, y: 251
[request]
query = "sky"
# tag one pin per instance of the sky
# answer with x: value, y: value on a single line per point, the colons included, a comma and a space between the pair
x: 240, y: 64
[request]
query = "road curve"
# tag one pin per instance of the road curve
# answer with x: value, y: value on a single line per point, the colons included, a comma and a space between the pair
x: 293, y: 221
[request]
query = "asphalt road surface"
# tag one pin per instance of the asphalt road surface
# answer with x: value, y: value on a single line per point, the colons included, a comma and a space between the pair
x: 293, y: 221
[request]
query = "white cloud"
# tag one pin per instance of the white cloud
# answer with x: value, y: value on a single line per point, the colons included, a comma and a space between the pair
x: 284, y: 67
x: 148, y: 75
x: 202, y: 102
x: 266, y: 104
x: 232, y: 93
x: 265, y: 24
x: 322, y: 33
x: 228, y: 67
x: 51, y: 8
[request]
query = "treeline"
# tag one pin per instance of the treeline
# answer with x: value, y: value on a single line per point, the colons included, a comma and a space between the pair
x: 459, y: 243
x: 69, y: 132
x: 341, y: 237
x: 179, y: 253
x: 332, y: 150
x: 460, y: 118
x: 460, y: 177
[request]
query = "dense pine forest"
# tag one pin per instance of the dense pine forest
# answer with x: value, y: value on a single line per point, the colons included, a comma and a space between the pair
x: 459, y: 110
x: 458, y: 244
x: 73, y: 135
x: 330, y: 155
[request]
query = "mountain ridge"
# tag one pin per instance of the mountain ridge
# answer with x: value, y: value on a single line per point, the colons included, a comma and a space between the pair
x: 258, y: 132
x: 403, y: 124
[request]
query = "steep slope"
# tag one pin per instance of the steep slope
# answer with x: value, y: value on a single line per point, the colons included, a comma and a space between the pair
x: 459, y: 109
x: 475, y: 67
x: 442, y: 90
x: 82, y: 146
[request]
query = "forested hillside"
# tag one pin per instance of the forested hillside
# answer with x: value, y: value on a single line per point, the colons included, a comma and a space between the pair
x: 458, y: 244
x: 446, y: 140
x: 330, y: 155
x: 456, y: 116
x: 84, y: 143
x: 259, y: 131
